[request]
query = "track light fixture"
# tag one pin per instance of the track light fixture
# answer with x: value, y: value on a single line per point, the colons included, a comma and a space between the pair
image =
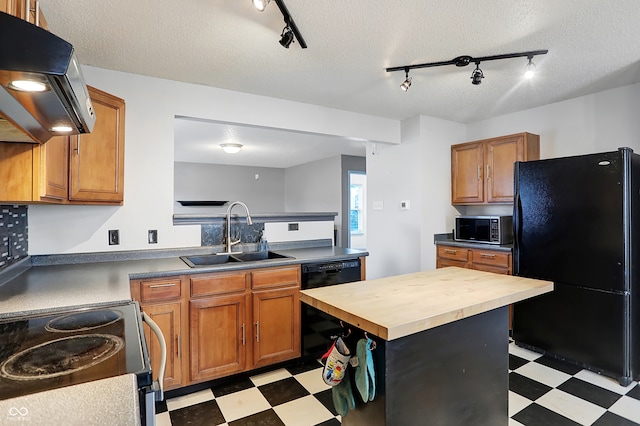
x: 290, y: 30
x: 477, y: 75
x: 261, y: 5
x: 286, y: 38
x: 407, y: 81
x: 464, y: 60
x: 530, y: 69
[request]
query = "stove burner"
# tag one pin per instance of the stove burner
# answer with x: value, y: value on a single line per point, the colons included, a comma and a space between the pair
x: 82, y: 321
x: 61, y: 357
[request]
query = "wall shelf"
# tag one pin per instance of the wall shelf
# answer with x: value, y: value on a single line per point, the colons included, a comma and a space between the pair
x: 203, y: 203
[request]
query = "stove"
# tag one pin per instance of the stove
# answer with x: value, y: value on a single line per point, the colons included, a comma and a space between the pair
x: 50, y: 351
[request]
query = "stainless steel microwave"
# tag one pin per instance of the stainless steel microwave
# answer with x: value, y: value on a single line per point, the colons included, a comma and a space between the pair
x: 484, y: 229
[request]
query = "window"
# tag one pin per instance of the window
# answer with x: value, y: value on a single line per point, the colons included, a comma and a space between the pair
x: 355, y: 214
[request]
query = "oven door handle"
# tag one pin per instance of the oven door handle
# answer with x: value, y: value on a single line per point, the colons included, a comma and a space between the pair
x: 163, y: 354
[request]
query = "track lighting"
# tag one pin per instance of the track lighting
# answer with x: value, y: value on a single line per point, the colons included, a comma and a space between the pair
x: 261, y: 5
x: 407, y: 81
x: 477, y: 75
x: 461, y: 61
x: 290, y: 31
x: 530, y: 69
x: 286, y: 38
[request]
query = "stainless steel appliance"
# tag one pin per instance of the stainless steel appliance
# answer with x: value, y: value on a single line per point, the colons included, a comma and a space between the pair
x: 31, y: 55
x: 318, y: 327
x: 484, y: 229
x: 50, y: 351
x: 577, y: 223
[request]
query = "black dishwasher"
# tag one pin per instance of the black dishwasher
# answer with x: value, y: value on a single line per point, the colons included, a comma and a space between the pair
x: 318, y: 327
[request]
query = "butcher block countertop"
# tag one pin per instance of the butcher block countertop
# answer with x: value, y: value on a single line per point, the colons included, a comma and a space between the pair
x: 398, y: 306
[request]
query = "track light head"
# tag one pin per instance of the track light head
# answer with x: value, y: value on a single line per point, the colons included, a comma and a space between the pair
x: 407, y: 81
x: 286, y: 38
x: 530, y: 69
x: 477, y: 75
x: 261, y: 5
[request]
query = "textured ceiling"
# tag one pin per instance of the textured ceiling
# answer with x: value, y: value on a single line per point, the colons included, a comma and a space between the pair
x: 593, y: 45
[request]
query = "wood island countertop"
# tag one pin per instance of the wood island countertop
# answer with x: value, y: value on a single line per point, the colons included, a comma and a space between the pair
x: 394, y: 307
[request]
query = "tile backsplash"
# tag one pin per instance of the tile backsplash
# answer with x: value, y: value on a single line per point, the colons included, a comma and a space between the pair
x: 14, y: 237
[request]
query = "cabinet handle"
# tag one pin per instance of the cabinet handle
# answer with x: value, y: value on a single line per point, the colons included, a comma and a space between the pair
x: 257, y: 331
x: 162, y: 285
x: 37, y: 13
x: 243, y: 334
x: 178, y: 345
x: 479, y: 172
x: 488, y: 171
x: 490, y: 256
x: 450, y: 251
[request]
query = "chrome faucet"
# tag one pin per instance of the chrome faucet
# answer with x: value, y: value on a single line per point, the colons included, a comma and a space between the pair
x: 249, y: 222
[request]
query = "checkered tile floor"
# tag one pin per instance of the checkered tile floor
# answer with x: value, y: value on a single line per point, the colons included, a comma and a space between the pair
x: 542, y: 392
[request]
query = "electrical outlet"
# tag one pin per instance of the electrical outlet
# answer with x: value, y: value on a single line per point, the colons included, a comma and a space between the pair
x: 153, y: 236
x: 114, y: 237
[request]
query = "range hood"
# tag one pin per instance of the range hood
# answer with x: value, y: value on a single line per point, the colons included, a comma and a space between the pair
x: 62, y: 107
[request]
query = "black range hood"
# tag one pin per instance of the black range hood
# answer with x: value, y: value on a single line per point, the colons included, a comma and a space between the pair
x: 28, y: 52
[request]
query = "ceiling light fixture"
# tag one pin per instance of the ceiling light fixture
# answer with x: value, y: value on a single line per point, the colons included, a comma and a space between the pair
x: 407, y: 81
x: 286, y: 37
x: 477, y: 75
x: 231, y: 148
x: 464, y: 60
x: 261, y: 5
x: 530, y: 69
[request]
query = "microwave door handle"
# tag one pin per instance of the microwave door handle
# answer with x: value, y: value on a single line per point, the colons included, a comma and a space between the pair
x: 163, y: 353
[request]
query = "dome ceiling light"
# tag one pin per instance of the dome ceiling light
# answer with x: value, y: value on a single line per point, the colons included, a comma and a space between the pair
x: 464, y: 60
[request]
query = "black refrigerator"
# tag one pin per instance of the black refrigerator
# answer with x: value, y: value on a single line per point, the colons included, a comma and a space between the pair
x: 577, y: 223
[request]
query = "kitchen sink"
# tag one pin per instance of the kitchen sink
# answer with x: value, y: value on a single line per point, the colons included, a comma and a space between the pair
x: 253, y: 256
x: 200, y: 261
x: 207, y: 260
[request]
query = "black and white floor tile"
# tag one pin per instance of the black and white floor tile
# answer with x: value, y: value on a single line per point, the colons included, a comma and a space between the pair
x: 542, y: 392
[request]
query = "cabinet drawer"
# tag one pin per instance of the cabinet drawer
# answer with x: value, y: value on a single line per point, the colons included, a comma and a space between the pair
x: 164, y: 289
x: 453, y: 253
x: 208, y: 284
x: 493, y: 258
x: 491, y: 268
x: 276, y: 277
x: 443, y: 263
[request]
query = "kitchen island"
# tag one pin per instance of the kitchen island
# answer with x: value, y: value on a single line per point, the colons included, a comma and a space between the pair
x: 442, y: 343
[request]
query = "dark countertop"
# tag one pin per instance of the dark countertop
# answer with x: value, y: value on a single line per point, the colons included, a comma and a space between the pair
x: 452, y: 242
x: 29, y: 288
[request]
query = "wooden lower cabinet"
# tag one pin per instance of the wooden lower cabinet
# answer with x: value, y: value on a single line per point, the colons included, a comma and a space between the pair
x: 222, y: 323
x: 480, y: 259
x: 167, y: 316
x: 276, y: 318
x: 218, y: 336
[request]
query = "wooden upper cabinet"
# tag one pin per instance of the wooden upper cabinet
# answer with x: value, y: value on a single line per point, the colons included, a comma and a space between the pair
x: 18, y: 8
x: 467, y: 161
x: 482, y: 171
x: 53, y: 182
x: 96, y: 167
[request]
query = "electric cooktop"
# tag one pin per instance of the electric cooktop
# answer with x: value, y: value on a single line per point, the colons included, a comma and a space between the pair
x: 39, y: 353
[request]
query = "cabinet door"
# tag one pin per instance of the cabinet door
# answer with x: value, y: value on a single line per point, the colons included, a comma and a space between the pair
x: 467, y: 186
x: 501, y: 154
x: 97, y: 158
x: 16, y: 172
x: 276, y: 322
x: 53, y: 181
x: 218, y: 336
x: 167, y: 316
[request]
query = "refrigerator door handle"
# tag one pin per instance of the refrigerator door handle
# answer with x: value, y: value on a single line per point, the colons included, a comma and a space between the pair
x: 517, y: 231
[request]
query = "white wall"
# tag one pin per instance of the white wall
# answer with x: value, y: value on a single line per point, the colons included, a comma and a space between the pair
x: 151, y: 105
x: 201, y: 181
x: 315, y: 187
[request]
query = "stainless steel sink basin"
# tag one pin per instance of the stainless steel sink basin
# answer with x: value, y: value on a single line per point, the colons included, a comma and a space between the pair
x: 201, y: 261
x: 258, y: 255
x: 207, y: 260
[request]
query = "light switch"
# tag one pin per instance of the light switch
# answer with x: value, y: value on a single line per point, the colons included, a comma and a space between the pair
x: 405, y: 205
